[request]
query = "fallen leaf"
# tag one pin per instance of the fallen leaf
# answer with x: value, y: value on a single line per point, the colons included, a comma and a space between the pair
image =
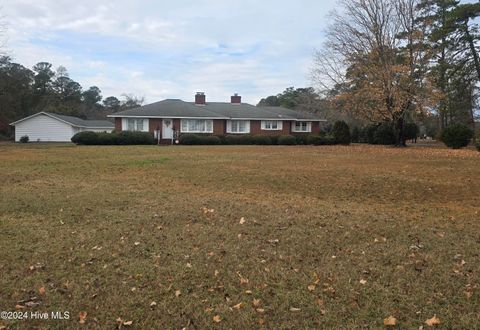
x: 128, y: 323
x: 207, y: 210
x: 243, y: 280
x: 3, y: 327
x: 260, y: 310
x: 242, y: 220
x: 208, y: 310
x: 217, y: 318
x: 189, y: 265
x: 136, y: 243
x: 321, y: 303
x: 294, y: 309
x: 42, y: 291
x: 433, y: 321
x: 82, y: 317
x: 248, y: 291
x: 178, y: 293
x: 390, y: 321
x: 363, y: 282
x: 311, y: 287
x: 256, y: 302
x: 238, y: 306
x: 19, y: 307
x: 153, y: 304
x: 216, y: 273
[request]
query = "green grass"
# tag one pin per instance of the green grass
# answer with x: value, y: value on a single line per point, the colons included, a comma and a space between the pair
x: 109, y: 230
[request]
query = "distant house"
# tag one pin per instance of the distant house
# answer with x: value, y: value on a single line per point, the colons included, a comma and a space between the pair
x: 52, y: 127
x: 169, y: 118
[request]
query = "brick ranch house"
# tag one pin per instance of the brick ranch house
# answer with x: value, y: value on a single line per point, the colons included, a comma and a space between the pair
x: 170, y: 118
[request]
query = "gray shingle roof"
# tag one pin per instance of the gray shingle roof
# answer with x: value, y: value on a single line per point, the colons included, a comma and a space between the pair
x: 75, y: 121
x: 175, y: 108
x: 170, y: 108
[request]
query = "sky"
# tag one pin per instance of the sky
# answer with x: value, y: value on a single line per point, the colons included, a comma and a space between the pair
x: 172, y: 49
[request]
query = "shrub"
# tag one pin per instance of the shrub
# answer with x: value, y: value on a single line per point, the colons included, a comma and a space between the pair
x: 367, y: 134
x: 302, y: 139
x: 24, y: 139
x: 85, y: 138
x: 135, y: 138
x: 261, y: 140
x: 274, y: 139
x: 287, y: 140
x: 238, y: 139
x: 478, y: 144
x: 221, y: 138
x: 319, y: 140
x: 106, y: 139
x: 122, y: 138
x: 194, y: 139
x: 384, y: 134
x: 355, y: 136
x: 411, y: 131
x: 341, y: 132
x: 456, y: 136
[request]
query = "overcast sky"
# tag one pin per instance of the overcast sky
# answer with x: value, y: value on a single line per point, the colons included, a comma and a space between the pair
x: 171, y: 49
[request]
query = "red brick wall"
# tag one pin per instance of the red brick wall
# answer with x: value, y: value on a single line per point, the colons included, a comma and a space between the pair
x: 118, y: 124
x: 153, y: 124
x: 219, y: 126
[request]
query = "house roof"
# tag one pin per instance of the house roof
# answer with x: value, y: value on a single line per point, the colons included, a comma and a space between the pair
x: 74, y: 121
x: 175, y: 108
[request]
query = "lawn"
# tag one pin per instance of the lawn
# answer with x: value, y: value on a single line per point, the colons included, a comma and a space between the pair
x: 239, y: 236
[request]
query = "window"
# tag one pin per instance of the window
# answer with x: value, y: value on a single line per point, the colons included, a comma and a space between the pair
x: 197, y: 126
x: 272, y: 125
x: 238, y: 126
x: 302, y: 126
x: 134, y: 124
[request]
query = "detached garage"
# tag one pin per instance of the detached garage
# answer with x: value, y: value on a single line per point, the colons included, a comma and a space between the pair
x: 52, y: 127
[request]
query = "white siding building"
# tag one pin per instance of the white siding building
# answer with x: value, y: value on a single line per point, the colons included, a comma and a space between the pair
x: 52, y: 127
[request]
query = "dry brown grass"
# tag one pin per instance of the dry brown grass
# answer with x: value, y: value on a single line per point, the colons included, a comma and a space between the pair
x: 319, y: 222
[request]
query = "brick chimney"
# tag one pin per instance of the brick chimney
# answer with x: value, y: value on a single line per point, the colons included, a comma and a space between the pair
x: 200, y: 98
x: 236, y: 99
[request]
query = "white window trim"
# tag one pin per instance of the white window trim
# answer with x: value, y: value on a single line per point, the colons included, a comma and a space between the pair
x: 188, y: 131
x: 279, y: 125
x: 309, y: 127
x: 247, y: 127
x: 144, y: 127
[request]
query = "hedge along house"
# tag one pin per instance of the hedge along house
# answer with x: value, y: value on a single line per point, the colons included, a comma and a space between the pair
x: 53, y: 127
x: 170, y: 118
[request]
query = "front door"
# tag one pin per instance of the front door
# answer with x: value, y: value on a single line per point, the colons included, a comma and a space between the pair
x: 167, y: 129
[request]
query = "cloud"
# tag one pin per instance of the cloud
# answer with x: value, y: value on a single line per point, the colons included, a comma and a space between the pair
x: 172, y: 49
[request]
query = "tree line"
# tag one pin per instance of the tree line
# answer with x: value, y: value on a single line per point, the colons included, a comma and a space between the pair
x: 402, y: 60
x: 25, y: 91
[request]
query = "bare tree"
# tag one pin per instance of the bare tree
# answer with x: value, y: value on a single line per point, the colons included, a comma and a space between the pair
x: 372, y: 61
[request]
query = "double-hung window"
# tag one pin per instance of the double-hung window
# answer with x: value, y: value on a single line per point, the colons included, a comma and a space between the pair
x: 272, y: 125
x: 238, y: 126
x: 134, y: 124
x: 302, y: 126
x: 197, y: 126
